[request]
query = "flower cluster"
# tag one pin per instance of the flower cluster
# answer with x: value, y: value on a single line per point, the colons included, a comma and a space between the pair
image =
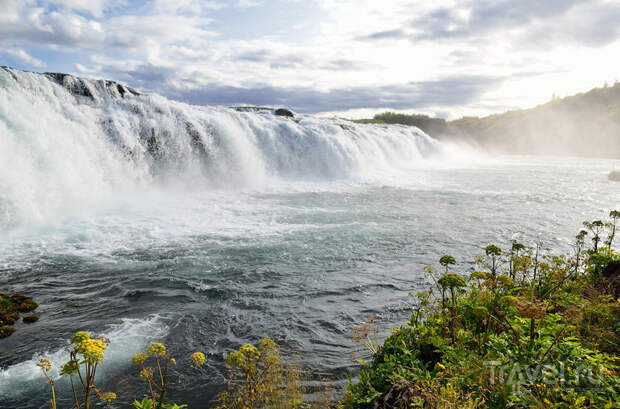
x: 244, y: 357
x: 80, y: 336
x: 451, y: 280
x: 198, y: 359
x: 146, y: 373
x: 91, y: 350
x: 505, y: 281
x: 45, y: 364
x: 139, y: 358
x: 156, y: 349
x: 531, y: 309
x: 266, y: 344
x: 250, y: 352
x: 107, y: 396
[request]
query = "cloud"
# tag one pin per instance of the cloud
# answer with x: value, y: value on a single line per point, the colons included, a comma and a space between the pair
x: 199, y: 90
x: 23, y: 57
x: 25, y: 23
x: 532, y: 20
x: 335, y: 54
x: 93, y: 7
x: 384, y: 35
x: 244, y: 4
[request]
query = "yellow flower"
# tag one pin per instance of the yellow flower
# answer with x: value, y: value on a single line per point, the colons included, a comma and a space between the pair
x: 250, y: 352
x: 266, y: 344
x: 272, y: 360
x: 107, y: 397
x: 174, y: 361
x: 198, y: 359
x: 91, y: 350
x: 236, y: 359
x: 156, y: 349
x: 139, y: 358
x: 146, y: 373
x: 80, y: 336
x: 45, y: 364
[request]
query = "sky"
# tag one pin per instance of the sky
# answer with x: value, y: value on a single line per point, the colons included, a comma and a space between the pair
x: 350, y: 58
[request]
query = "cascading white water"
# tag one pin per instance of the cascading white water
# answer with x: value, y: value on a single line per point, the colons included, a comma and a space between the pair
x: 67, y: 143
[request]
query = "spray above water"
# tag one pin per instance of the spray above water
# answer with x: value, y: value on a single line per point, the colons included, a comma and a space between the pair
x: 68, y: 144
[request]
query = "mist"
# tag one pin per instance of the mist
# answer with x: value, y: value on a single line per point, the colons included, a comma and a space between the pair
x: 585, y: 125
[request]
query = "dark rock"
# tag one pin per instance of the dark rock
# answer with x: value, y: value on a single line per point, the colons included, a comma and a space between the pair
x: 84, y: 87
x: 31, y: 318
x: 611, y: 274
x: 6, y: 331
x: 250, y: 109
x: 27, y: 305
x: 76, y: 86
x: 18, y: 298
x: 8, y: 318
x: 284, y: 112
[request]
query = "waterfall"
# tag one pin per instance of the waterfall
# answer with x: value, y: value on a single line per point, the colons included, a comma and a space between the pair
x: 67, y: 143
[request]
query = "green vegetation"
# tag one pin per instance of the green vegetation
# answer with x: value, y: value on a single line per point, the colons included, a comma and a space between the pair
x: 585, y: 124
x: 258, y: 379
x: 432, y: 126
x: 85, y: 355
x: 159, y: 382
x: 532, y: 330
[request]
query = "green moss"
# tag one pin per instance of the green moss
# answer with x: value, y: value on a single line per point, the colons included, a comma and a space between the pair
x: 6, y: 331
x: 5, y: 303
x: 18, y: 298
x: 27, y: 305
x: 30, y: 318
x: 8, y: 318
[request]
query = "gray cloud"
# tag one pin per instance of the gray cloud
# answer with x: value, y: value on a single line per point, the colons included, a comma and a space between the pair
x: 594, y: 24
x: 384, y: 35
x: 488, y: 16
x: 453, y: 91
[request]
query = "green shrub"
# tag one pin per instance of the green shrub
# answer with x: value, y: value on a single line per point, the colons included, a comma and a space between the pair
x: 542, y: 334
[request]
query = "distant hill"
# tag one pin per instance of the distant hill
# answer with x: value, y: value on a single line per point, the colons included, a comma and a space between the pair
x: 586, y: 124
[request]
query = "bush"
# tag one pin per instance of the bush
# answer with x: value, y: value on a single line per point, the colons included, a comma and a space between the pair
x: 544, y: 334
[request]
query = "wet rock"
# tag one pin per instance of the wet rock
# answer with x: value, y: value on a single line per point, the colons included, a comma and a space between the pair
x: 30, y: 318
x: 27, y: 305
x: 8, y: 318
x: 6, y: 331
x: 284, y: 112
x: 18, y: 298
x: 250, y: 109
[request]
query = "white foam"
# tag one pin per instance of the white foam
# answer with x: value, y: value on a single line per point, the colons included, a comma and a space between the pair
x: 65, y: 155
x: 127, y: 338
